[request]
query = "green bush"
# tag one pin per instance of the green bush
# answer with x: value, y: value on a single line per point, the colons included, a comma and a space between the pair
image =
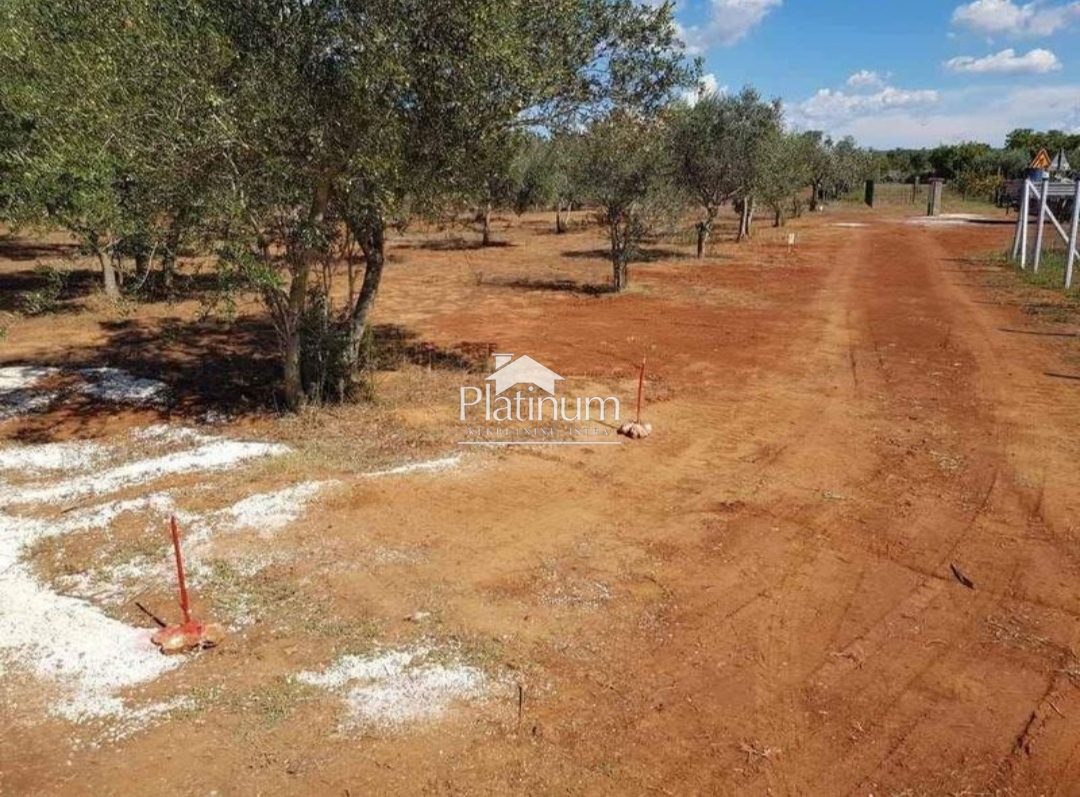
x: 47, y: 298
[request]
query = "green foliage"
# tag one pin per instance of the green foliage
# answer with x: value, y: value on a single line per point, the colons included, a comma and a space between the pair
x: 973, y: 159
x: 534, y: 174
x: 622, y: 168
x: 1031, y: 141
x: 347, y: 112
x: 950, y: 161
x: 47, y: 298
x: 327, y: 371
x: 785, y: 171
x: 285, y: 132
x: 111, y: 105
x: 718, y: 146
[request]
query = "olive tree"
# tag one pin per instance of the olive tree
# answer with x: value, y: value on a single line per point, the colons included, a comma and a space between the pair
x: 717, y: 146
x: 112, y: 105
x: 622, y: 169
x: 345, y: 109
x: 784, y: 173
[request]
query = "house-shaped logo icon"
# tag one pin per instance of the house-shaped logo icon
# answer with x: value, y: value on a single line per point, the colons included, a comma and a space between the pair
x: 523, y: 370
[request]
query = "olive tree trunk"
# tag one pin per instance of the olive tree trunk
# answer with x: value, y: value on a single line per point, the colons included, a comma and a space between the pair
x: 486, y: 241
x: 704, y: 230
x: 370, y: 234
x: 291, y: 313
x: 108, y: 271
x: 620, y: 252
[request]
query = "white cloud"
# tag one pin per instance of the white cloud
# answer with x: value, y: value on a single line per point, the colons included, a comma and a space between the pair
x: 970, y: 114
x: 1007, y: 62
x: 729, y: 22
x: 1005, y: 17
x: 829, y: 107
x: 707, y: 85
x: 866, y: 79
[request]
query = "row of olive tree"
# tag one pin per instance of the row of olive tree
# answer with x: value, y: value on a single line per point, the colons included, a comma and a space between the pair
x: 641, y: 173
x: 286, y: 135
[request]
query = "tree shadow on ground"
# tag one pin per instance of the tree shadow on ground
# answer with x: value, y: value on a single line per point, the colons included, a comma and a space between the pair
x: 1039, y: 333
x: 537, y: 227
x: 555, y: 285
x: 642, y: 255
x: 395, y: 346
x: 17, y: 249
x: 455, y: 244
x: 991, y: 261
x: 228, y: 368
x: 16, y: 288
x: 73, y: 284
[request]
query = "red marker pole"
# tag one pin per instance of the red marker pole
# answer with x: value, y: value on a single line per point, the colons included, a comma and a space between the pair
x: 640, y: 388
x: 180, y: 570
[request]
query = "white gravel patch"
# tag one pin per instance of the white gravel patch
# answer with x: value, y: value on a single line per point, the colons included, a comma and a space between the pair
x: 397, y: 556
x: 21, y: 377
x: 16, y: 403
x: 141, y: 718
x: 270, y: 512
x: 420, y: 467
x: 397, y: 687
x: 77, y: 456
x: 120, y: 387
x: 165, y: 434
x: 18, y: 395
x: 67, y: 639
x: 214, y: 456
x: 115, y: 584
x: 952, y: 219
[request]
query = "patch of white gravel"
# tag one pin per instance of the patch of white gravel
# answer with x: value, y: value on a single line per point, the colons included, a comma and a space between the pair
x: 849, y: 224
x: 112, y: 585
x: 101, y: 516
x: 120, y: 387
x: 15, y: 403
x: 66, y: 639
x: 396, y: 556
x: 78, y: 456
x: 165, y: 434
x: 21, y: 377
x: 139, y: 719
x: 396, y: 687
x: 951, y: 219
x: 270, y: 512
x: 213, y: 456
x: 420, y: 467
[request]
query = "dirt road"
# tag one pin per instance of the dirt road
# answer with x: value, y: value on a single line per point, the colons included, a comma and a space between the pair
x: 766, y: 597
x: 796, y: 525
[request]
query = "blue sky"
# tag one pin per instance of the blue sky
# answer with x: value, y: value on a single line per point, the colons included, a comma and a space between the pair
x: 897, y: 72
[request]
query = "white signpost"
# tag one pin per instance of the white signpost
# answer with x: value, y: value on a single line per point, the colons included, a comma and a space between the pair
x: 1042, y: 194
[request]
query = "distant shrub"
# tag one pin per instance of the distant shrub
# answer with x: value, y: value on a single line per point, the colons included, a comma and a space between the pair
x: 47, y: 298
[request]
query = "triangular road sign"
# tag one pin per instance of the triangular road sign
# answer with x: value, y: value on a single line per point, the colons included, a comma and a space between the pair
x: 1042, y: 160
x: 1061, y: 163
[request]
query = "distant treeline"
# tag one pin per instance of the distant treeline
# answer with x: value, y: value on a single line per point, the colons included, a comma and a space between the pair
x: 976, y: 168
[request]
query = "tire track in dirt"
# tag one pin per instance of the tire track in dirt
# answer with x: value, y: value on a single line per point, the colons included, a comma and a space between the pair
x: 963, y: 624
x: 907, y: 714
